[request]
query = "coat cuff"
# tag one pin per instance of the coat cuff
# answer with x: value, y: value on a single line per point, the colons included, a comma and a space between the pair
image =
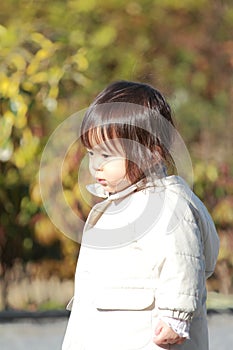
x: 178, y: 314
x: 181, y: 327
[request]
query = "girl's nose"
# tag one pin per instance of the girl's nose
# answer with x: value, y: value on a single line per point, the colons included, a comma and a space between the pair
x: 97, y: 164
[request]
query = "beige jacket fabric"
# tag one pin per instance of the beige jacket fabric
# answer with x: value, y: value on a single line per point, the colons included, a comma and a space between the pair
x: 147, y: 255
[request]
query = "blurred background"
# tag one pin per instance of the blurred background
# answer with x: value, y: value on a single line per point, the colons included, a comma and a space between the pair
x: 55, y: 56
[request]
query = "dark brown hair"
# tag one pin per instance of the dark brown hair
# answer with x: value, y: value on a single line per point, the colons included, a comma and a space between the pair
x: 139, y: 117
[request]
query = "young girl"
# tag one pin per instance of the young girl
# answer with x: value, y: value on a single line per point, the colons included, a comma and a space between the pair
x: 149, y: 246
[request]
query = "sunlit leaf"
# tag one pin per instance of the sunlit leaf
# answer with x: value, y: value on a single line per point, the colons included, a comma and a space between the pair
x: 6, y: 151
x: 81, y: 60
x: 33, y: 67
x: 212, y: 173
x: 45, y: 232
x: 40, y: 39
x: 82, y: 5
x: 43, y: 54
x: 223, y: 212
x: 18, y: 61
x: 6, y: 124
x: 69, y: 197
x: 55, y: 74
x: 104, y: 36
x: 35, y: 194
x: 27, y: 150
x: 4, y: 85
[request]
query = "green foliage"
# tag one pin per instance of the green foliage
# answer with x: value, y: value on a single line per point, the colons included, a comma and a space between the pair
x: 214, y: 185
x: 57, y: 55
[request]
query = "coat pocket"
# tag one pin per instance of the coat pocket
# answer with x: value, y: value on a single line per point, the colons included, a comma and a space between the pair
x: 125, y: 299
x: 124, y: 318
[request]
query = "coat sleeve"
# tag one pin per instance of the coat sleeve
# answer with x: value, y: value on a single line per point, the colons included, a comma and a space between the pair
x: 181, y: 287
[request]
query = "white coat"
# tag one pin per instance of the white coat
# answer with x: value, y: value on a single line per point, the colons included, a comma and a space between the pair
x: 157, y: 267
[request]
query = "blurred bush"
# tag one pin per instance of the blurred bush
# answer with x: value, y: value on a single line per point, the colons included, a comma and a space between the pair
x: 56, y: 56
x: 214, y: 185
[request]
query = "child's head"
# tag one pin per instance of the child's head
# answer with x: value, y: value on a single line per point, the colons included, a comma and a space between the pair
x: 136, y: 116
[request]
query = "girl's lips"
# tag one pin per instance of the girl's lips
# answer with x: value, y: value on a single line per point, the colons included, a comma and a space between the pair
x: 102, y: 181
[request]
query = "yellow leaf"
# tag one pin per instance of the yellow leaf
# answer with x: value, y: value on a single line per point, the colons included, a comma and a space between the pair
x: 28, y: 86
x: 4, y: 85
x: 82, y: 6
x: 35, y: 194
x: 43, y: 54
x: 13, y: 88
x: 53, y: 92
x: 3, y: 30
x: 199, y: 171
x: 223, y: 212
x: 37, y: 37
x: 81, y: 60
x: 26, y: 151
x: 69, y: 197
x: 33, y: 67
x: 6, y: 151
x: 20, y: 121
x: 104, y: 36
x: 20, y: 108
x: 27, y: 136
x: 45, y: 232
x: 19, y: 159
x: 38, y: 78
x: 5, y: 127
x: 41, y: 40
x: 54, y: 75
x: 18, y: 61
x: 212, y: 172
x: 9, y: 117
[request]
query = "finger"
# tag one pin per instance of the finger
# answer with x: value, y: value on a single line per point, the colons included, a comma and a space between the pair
x: 158, y: 329
x: 159, y: 340
x: 163, y: 339
x: 173, y: 340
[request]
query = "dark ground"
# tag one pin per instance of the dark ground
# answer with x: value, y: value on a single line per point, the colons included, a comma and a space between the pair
x: 47, y: 334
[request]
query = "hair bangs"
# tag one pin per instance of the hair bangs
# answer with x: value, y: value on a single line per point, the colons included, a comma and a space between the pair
x: 101, y: 125
x: 98, y: 135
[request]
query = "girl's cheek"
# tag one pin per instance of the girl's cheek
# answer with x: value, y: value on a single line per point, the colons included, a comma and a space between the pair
x: 92, y: 172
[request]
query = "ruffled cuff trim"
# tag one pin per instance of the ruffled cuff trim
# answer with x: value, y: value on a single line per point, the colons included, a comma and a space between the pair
x: 181, y: 315
x: 180, y: 327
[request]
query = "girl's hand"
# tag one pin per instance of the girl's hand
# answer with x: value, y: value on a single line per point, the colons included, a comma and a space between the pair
x: 165, y: 335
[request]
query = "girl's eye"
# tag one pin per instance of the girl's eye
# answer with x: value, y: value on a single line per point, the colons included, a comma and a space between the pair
x: 90, y: 153
x: 105, y: 155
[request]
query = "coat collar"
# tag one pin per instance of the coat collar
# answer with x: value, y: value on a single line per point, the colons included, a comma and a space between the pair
x: 98, y: 190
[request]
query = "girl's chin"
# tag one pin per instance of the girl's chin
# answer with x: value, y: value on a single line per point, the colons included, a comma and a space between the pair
x: 116, y: 188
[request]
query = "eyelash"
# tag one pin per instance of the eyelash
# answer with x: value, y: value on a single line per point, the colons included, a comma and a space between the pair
x: 104, y: 155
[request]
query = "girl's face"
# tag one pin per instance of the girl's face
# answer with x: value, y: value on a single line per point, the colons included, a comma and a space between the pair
x: 107, y: 166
